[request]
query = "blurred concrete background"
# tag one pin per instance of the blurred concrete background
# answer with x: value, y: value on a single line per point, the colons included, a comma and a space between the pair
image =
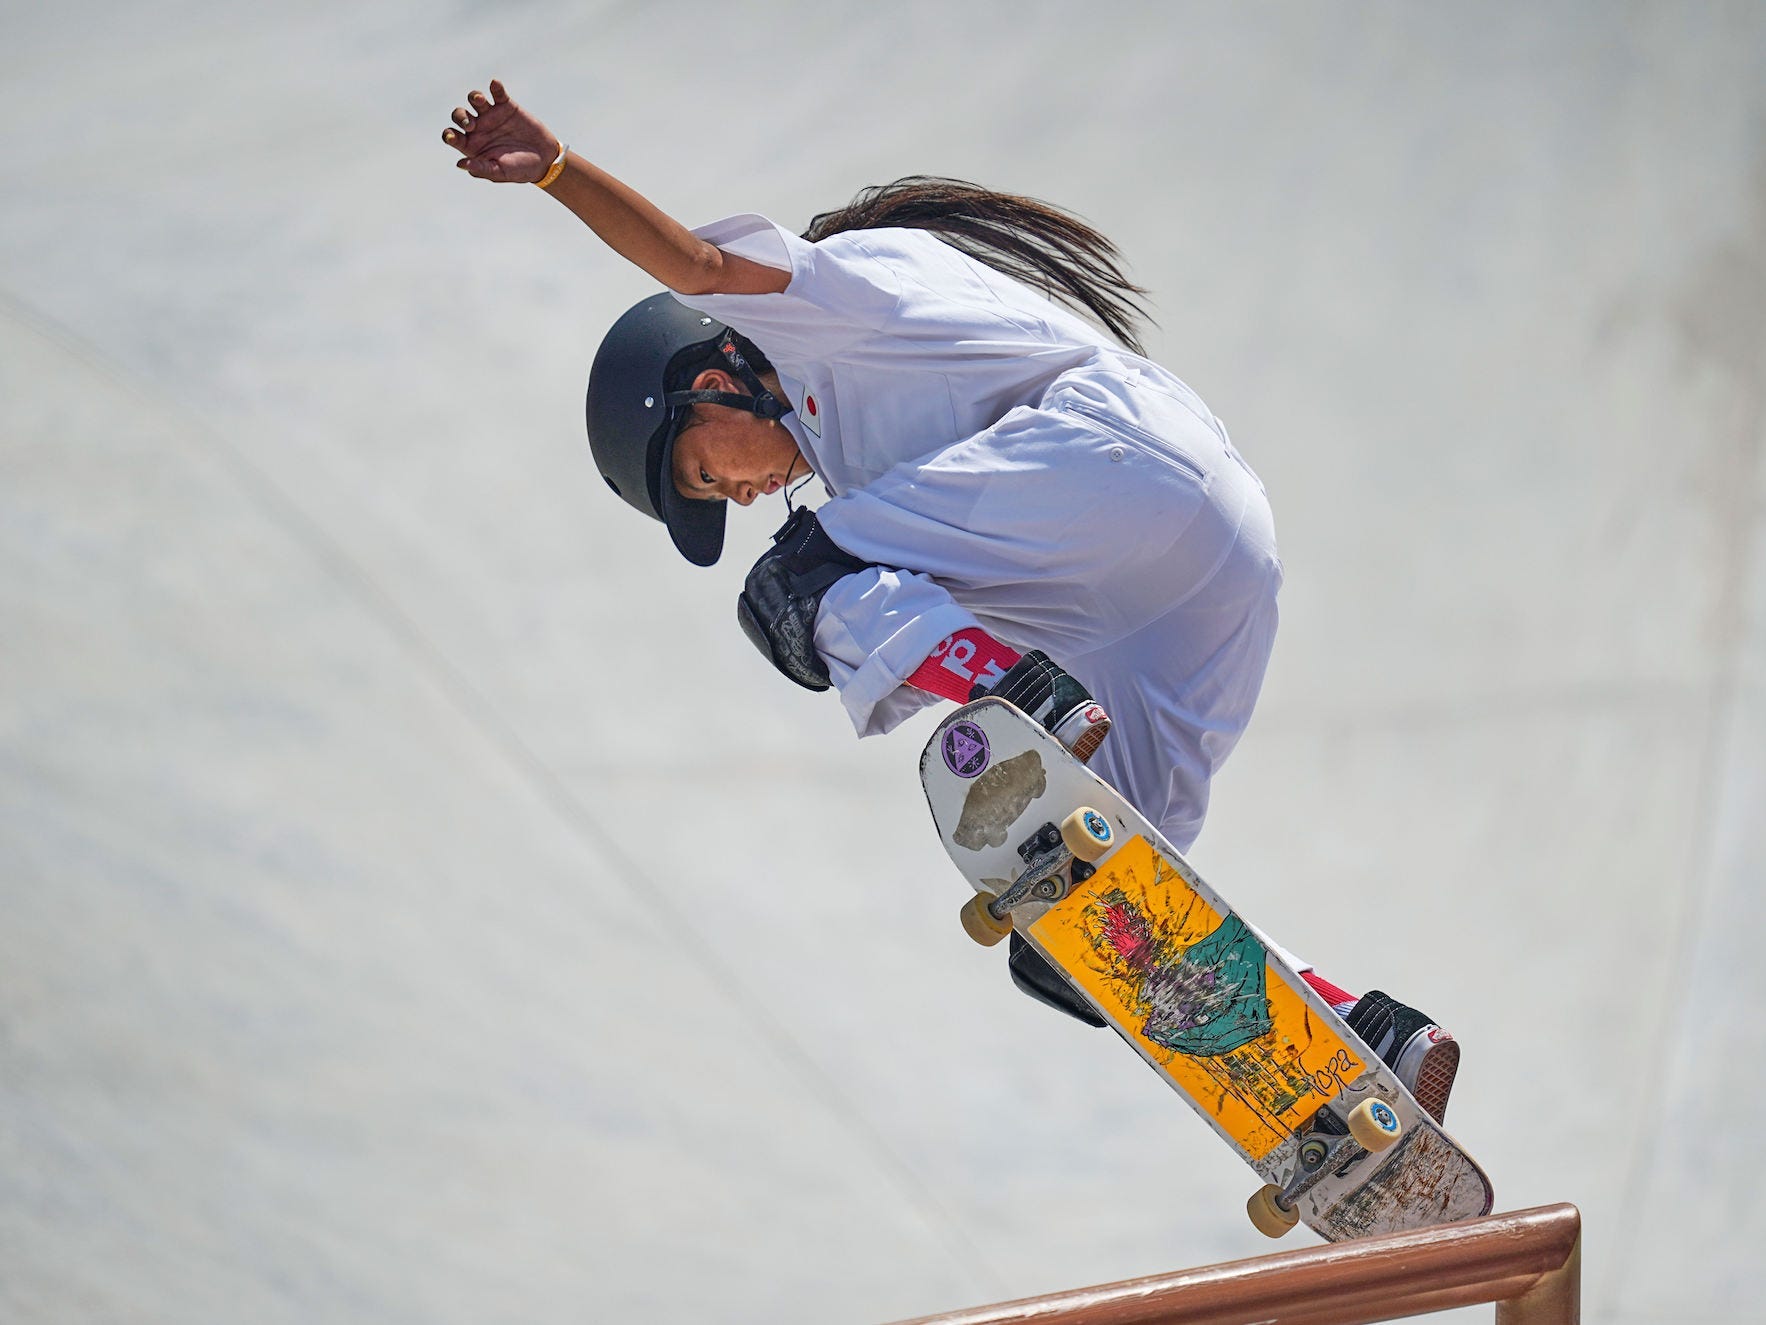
x: 418, y: 902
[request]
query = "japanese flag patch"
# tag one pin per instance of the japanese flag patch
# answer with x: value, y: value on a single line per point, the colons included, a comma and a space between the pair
x: 811, y: 414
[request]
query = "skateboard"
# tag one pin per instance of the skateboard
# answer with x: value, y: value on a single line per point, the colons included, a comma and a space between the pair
x: 1056, y: 854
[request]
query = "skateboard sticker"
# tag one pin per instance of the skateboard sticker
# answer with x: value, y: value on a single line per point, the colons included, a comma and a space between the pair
x: 965, y: 749
x: 1192, y: 989
x: 996, y: 799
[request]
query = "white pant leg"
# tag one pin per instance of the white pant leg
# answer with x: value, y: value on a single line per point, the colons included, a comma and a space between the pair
x: 1114, y: 527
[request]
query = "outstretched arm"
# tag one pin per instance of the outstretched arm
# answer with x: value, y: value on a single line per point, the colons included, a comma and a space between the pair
x: 499, y: 141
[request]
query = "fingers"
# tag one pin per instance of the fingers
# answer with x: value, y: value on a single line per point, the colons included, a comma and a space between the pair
x: 466, y: 120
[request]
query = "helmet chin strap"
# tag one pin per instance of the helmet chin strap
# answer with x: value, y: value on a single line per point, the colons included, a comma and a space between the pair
x: 785, y: 488
x: 760, y: 402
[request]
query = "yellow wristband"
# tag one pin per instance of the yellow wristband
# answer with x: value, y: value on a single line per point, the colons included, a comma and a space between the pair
x: 557, y: 167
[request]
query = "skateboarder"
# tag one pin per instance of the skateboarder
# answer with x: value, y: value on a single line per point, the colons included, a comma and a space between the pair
x: 1008, y: 482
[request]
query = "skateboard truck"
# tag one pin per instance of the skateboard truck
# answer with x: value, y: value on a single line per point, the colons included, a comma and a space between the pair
x: 1057, y: 858
x: 1331, y: 1146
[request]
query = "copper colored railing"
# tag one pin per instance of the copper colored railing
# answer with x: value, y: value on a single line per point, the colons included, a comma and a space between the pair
x: 1529, y: 1264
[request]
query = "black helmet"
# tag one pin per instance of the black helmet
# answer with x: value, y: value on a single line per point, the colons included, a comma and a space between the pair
x: 633, y: 415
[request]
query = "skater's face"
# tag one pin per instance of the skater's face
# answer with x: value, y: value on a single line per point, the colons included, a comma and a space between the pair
x: 730, y: 453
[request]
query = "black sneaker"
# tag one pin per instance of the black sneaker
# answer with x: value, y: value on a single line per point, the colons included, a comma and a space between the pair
x: 1033, y: 973
x: 1424, y: 1056
x: 1056, y: 700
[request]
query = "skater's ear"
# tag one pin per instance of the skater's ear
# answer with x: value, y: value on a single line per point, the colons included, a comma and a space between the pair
x: 716, y: 379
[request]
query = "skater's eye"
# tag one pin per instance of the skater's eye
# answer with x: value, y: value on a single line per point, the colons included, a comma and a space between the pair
x: 705, y: 478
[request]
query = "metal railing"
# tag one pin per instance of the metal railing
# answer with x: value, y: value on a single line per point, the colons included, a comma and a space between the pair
x: 1528, y: 1263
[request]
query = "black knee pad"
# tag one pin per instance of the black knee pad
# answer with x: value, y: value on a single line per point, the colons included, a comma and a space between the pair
x: 1033, y: 973
x: 777, y: 607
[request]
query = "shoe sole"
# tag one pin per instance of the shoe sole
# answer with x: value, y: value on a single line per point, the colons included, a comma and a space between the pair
x: 1089, y: 741
x: 1434, y: 1078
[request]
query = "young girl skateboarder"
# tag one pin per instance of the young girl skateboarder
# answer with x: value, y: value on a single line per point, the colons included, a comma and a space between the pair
x: 1020, y: 503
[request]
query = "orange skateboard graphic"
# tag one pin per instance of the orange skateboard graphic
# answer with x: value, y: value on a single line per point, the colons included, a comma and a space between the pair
x: 1058, y: 855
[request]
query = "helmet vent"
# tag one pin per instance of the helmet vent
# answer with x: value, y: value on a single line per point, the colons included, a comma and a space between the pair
x: 614, y: 486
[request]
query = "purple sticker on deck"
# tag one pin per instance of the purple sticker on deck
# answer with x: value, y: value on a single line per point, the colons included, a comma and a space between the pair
x: 965, y: 749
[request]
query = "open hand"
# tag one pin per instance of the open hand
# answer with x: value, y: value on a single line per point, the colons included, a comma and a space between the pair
x: 497, y: 140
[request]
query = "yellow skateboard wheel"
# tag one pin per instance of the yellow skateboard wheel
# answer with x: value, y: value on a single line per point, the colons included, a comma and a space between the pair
x: 979, y: 923
x: 1268, y: 1215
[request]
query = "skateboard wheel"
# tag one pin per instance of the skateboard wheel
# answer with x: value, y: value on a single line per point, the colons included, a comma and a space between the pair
x: 1268, y: 1215
x: 979, y: 923
x: 1374, y: 1125
x: 1087, y: 833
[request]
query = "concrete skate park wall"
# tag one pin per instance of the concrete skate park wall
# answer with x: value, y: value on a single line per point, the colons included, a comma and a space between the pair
x: 421, y: 904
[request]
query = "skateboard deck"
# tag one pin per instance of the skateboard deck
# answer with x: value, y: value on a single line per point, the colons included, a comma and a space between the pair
x: 1192, y: 986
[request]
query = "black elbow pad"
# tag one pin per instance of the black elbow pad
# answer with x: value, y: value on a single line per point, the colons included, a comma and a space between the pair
x: 777, y: 607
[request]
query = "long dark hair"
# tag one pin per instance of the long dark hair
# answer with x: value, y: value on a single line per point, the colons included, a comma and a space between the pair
x: 1031, y: 241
